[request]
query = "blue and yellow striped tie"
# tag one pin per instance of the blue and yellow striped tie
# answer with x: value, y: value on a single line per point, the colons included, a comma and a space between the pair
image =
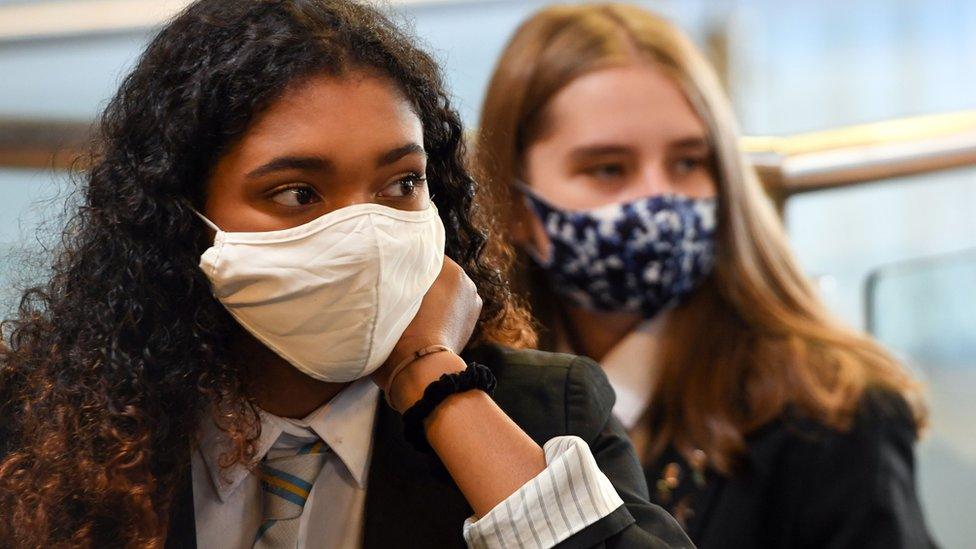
x: 286, y: 482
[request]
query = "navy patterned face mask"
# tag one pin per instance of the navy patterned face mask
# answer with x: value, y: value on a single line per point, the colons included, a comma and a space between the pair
x: 641, y: 256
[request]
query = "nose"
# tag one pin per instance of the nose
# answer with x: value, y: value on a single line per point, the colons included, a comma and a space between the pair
x: 343, y: 196
x: 653, y: 180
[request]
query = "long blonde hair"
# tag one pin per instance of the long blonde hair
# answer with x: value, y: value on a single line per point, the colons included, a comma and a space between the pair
x: 754, y: 340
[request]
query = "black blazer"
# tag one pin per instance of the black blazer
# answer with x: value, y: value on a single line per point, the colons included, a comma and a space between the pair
x: 803, y: 485
x: 412, y: 502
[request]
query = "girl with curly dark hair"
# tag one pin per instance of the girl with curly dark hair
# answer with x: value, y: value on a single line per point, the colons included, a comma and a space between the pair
x: 260, y: 249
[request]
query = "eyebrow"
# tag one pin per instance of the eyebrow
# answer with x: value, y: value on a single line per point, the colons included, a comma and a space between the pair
x: 320, y: 164
x: 393, y: 155
x: 693, y: 142
x: 282, y: 163
x: 589, y: 151
x: 599, y: 150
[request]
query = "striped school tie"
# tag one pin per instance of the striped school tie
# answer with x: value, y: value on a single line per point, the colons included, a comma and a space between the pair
x: 286, y: 482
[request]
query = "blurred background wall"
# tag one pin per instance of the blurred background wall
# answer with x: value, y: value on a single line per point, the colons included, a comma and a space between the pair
x: 894, y: 256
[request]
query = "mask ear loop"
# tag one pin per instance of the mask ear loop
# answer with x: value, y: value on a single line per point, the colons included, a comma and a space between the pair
x: 202, y: 217
x: 524, y: 189
x: 209, y: 223
x: 530, y: 194
x: 542, y: 258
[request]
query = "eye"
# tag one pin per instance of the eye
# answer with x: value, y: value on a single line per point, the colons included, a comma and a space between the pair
x: 296, y: 196
x: 614, y: 170
x: 687, y: 165
x: 405, y: 187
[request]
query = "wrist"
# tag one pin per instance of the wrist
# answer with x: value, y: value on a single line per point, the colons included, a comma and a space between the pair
x: 410, y: 384
x: 407, y: 346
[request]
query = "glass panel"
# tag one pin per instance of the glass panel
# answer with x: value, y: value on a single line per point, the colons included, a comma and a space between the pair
x: 31, y: 204
x: 925, y: 310
x: 840, y: 236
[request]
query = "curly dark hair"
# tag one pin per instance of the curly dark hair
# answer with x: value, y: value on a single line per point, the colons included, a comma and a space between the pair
x: 111, y: 363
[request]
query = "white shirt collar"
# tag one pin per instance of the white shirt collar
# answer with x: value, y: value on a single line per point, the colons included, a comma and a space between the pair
x: 345, y: 423
x: 630, y: 367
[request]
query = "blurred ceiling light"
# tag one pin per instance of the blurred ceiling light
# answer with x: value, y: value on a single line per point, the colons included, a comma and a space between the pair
x: 66, y: 18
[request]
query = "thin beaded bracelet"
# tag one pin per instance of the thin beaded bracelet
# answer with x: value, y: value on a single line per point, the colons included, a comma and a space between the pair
x: 414, y: 357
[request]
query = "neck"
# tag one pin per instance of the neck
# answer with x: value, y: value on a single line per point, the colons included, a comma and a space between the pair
x: 595, y: 333
x: 277, y: 386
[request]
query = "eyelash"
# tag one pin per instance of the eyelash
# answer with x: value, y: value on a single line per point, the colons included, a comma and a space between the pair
x: 416, y: 179
x: 689, y: 164
x: 607, y: 171
x: 295, y: 187
x: 600, y: 170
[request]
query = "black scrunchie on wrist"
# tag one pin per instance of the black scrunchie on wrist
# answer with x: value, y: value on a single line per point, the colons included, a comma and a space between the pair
x: 475, y: 376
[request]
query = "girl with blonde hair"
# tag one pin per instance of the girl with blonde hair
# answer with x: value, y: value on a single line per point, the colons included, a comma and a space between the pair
x: 646, y: 243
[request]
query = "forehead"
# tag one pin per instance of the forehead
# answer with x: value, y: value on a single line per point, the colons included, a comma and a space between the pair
x: 633, y: 102
x: 335, y: 115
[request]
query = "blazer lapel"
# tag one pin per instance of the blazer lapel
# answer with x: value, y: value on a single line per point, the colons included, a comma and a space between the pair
x: 411, y: 501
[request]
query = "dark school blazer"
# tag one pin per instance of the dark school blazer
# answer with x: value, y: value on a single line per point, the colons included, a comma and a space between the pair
x: 412, y: 502
x: 803, y: 485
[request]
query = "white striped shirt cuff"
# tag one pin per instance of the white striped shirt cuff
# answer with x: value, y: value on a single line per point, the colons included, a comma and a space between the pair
x: 569, y: 495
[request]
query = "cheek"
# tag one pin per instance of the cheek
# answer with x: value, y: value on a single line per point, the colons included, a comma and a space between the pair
x: 216, y: 198
x: 700, y: 185
x: 226, y: 205
x: 222, y: 198
x: 542, y: 171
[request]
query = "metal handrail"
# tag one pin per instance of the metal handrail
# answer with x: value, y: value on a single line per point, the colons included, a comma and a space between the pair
x: 865, y: 153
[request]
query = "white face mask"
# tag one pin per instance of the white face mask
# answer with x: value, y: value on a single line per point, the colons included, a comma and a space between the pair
x: 332, y: 296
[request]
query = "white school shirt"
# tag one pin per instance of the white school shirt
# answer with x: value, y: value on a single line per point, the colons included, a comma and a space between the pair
x: 629, y: 367
x: 227, y: 503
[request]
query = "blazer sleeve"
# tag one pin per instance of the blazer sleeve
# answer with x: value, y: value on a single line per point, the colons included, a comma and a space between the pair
x: 857, y: 489
x: 637, y: 523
